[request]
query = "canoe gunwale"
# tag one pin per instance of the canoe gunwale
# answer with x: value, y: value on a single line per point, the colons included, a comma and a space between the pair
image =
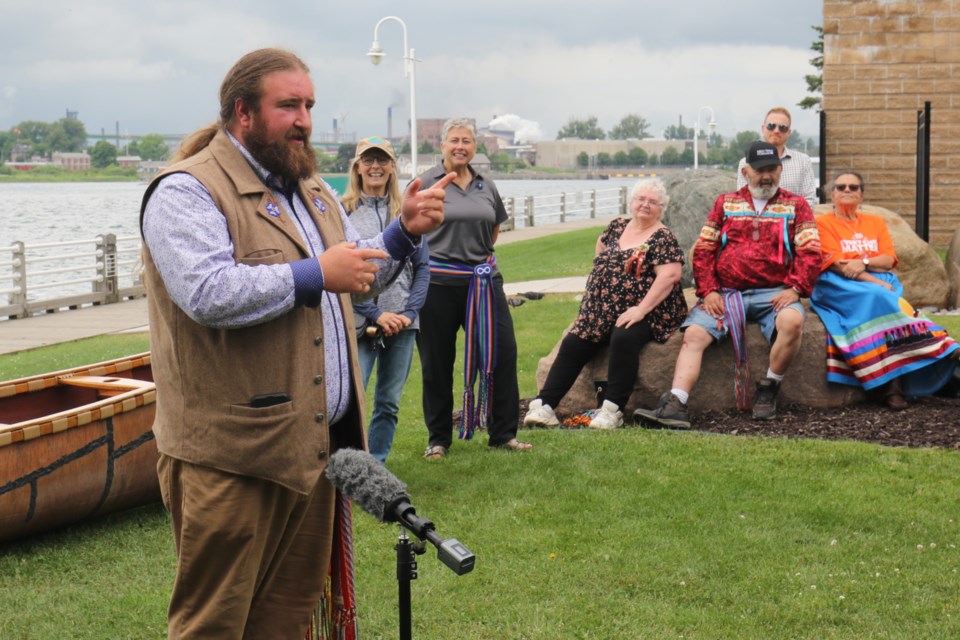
x: 117, y: 403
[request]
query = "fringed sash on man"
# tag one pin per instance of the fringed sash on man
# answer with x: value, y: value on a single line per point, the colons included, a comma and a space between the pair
x: 335, y: 617
x: 480, y: 327
x: 736, y: 320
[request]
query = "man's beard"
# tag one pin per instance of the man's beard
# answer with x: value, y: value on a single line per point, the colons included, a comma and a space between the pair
x: 280, y: 157
x: 763, y: 193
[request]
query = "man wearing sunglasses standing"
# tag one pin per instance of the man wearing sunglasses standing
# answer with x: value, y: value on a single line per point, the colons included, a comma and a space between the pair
x: 797, y: 176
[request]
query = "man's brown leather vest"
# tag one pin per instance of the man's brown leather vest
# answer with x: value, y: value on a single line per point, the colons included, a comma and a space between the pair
x: 205, y: 377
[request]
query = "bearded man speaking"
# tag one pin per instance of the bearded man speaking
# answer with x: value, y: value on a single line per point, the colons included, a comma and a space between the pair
x: 250, y: 260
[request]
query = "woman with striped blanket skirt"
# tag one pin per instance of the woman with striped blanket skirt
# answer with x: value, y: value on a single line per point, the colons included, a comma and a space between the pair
x: 875, y: 338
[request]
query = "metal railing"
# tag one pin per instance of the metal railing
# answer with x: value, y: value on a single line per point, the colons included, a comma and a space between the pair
x: 559, y: 207
x: 52, y: 276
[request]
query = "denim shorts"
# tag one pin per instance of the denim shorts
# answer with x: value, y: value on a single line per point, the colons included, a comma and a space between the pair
x: 757, y: 308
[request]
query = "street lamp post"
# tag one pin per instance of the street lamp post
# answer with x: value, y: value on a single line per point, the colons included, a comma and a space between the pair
x: 409, y: 71
x: 696, y: 135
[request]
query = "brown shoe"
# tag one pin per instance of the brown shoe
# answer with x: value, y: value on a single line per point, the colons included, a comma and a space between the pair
x: 896, y: 402
x: 893, y: 396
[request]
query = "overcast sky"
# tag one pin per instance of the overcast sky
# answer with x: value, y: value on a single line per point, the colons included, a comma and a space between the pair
x: 157, y: 66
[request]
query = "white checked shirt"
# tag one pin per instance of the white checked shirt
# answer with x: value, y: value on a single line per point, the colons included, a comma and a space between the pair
x: 797, y: 176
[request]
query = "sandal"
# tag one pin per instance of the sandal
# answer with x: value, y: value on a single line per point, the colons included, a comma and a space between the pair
x: 435, y: 452
x: 514, y: 445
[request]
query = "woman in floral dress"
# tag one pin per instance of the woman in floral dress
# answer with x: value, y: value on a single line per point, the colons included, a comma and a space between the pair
x: 633, y: 296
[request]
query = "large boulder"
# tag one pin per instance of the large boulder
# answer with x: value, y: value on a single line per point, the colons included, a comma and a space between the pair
x: 805, y: 383
x: 692, y: 194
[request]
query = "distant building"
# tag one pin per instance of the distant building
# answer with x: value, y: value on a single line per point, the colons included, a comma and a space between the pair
x: 129, y: 162
x: 430, y: 130
x: 480, y: 162
x: 525, y: 152
x: 71, y: 161
x: 492, y: 143
x: 150, y: 168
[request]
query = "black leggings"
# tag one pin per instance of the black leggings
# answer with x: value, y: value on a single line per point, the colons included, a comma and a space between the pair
x: 442, y: 316
x: 575, y: 353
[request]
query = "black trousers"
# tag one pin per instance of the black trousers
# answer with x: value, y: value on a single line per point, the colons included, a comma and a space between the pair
x: 441, y: 318
x: 575, y: 353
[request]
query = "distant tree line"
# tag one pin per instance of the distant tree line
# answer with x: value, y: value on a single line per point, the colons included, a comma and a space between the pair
x: 630, y: 126
x: 32, y: 138
x: 719, y: 151
x: 717, y: 154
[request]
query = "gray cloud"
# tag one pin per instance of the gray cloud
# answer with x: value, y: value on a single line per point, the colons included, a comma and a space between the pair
x: 158, y: 66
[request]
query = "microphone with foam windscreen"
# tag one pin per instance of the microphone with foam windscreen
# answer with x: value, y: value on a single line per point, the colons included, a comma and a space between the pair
x: 361, y: 478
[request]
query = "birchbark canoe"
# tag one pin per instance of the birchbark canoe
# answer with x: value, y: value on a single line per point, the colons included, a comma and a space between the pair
x: 76, y: 444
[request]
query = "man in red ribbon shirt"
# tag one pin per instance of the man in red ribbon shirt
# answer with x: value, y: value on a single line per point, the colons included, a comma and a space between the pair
x: 758, y: 253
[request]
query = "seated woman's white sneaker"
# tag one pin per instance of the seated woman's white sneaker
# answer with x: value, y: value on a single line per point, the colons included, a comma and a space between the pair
x: 540, y: 415
x: 608, y: 416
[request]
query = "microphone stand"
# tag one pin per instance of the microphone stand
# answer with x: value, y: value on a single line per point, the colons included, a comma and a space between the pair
x: 450, y: 551
x: 407, y: 553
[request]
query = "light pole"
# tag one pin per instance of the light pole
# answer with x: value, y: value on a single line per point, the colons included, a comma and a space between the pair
x: 409, y: 71
x: 696, y: 135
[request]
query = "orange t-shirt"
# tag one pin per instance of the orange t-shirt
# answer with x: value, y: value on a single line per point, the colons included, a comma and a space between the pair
x: 849, y: 240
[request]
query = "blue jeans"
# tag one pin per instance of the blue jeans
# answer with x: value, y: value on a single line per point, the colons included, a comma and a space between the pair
x: 394, y: 358
x: 757, y: 308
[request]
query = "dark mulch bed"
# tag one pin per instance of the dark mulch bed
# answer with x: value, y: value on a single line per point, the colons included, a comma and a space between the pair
x: 927, y: 422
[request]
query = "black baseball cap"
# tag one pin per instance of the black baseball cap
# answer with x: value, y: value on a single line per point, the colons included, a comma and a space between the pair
x: 762, y: 154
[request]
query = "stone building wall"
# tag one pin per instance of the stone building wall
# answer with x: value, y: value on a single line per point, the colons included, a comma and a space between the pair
x: 882, y: 60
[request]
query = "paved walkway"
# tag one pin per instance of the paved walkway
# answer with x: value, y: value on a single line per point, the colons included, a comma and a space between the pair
x: 131, y: 316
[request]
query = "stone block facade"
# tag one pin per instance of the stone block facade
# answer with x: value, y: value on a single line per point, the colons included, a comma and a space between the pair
x: 882, y: 59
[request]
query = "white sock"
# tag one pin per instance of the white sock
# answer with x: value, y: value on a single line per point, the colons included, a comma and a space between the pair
x: 680, y: 393
x: 774, y: 376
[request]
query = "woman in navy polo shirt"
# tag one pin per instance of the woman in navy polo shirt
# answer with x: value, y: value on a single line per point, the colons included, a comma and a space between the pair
x: 466, y: 290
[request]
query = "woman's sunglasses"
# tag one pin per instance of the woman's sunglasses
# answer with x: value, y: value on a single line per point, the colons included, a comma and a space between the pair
x: 847, y: 187
x: 368, y: 161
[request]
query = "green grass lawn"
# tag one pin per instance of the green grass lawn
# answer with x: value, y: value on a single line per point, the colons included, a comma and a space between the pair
x: 593, y: 535
x: 556, y: 256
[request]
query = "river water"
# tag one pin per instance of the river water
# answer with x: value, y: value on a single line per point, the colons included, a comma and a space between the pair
x: 56, y: 212
x: 41, y: 213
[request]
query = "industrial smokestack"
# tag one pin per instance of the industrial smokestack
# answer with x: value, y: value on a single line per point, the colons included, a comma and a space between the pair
x: 390, y: 123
